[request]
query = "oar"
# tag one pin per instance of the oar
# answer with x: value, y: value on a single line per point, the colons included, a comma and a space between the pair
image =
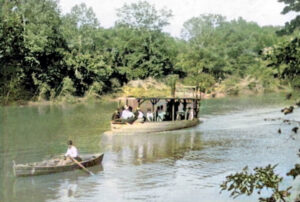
x: 84, y: 168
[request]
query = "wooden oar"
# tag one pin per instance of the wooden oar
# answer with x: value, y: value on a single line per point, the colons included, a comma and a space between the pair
x: 84, y: 168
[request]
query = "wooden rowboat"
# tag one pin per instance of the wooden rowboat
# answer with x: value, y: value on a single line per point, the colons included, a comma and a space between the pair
x: 151, y: 127
x: 41, y: 168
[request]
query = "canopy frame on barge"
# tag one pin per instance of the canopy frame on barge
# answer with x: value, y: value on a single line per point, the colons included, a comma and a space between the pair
x: 154, y: 100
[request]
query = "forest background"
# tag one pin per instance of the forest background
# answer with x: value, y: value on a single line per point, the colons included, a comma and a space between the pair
x: 47, y: 55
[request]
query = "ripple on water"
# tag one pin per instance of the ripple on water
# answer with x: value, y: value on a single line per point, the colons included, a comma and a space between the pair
x: 185, y: 165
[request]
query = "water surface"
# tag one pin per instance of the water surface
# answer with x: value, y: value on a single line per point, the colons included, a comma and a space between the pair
x: 185, y: 165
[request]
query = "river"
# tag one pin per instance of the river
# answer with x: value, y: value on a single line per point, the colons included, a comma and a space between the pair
x: 184, y: 165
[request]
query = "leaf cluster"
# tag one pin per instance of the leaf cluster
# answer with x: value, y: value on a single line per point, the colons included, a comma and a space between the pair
x: 245, y: 183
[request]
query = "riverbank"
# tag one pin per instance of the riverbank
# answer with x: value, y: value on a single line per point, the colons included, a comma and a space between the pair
x: 232, y: 86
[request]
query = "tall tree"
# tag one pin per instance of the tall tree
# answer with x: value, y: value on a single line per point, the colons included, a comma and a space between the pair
x: 144, y: 50
x: 12, y: 52
x: 201, y: 27
x: 80, y: 27
x: 143, y: 15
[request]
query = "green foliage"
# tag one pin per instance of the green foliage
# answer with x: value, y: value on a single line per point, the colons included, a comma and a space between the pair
x: 171, y: 81
x: 219, y: 47
x: 285, y: 59
x: 245, y: 183
x: 139, y: 54
x: 95, y: 90
x: 291, y: 6
x: 42, y: 51
x: 87, y: 69
x: 80, y: 28
x: 143, y: 15
x: 67, y: 87
x: 202, y: 81
x: 115, y: 83
x: 12, y: 49
x: 43, y: 89
x: 199, y: 29
x: 296, y: 82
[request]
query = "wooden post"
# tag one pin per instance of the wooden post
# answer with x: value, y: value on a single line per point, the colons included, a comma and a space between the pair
x: 184, y: 109
x: 198, y: 107
x: 195, y: 108
x: 173, y: 111
x: 154, y: 101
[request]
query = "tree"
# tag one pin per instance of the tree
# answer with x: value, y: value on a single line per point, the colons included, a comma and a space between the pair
x: 143, y: 15
x: 291, y: 6
x: 285, y: 57
x: 45, y: 43
x: 80, y: 27
x: 219, y: 47
x: 200, y: 28
x: 12, y: 53
x: 138, y: 54
x: 141, y: 48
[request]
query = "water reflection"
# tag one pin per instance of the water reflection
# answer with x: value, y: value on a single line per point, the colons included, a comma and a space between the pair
x: 145, y: 148
x: 60, y: 186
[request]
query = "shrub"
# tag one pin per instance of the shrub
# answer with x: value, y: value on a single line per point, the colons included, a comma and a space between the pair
x: 68, y: 87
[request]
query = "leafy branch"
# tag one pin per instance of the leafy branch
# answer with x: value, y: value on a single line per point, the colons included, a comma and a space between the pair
x: 245, y: 183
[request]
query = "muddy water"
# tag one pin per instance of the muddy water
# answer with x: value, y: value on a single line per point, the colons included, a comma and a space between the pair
x: 185, y: 165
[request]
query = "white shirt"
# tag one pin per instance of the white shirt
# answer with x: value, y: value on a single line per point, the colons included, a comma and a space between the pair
x: 149, y: 116
x: 130, y: 114
x: 161, y: 115
x: 141, y: 115
x: 72, y: 152
x: 126, y: 114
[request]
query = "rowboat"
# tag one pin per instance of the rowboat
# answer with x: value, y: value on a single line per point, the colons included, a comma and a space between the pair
x: 42, y: 168
x: 151, y: 127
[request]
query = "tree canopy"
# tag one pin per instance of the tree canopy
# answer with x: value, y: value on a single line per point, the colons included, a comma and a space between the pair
x: 291, y: 6
x: 143, y: 15
x: 45, y: 54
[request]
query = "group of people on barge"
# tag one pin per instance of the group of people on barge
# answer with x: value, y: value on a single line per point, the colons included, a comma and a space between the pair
x: 126, y: 114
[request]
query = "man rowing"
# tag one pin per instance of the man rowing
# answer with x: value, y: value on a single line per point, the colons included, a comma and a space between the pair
x: 72, y: 152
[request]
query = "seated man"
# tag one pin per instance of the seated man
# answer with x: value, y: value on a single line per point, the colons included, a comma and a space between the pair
x: 149, y: 115
x: 139, y: 116
x: 71, y: 152
x: 125, y: 113
x: 161, y: 114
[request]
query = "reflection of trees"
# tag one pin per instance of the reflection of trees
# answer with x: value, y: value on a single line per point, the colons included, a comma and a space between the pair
x: 151, y: 147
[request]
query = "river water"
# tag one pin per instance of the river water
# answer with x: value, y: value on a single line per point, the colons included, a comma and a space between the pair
x: 184, y: 165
